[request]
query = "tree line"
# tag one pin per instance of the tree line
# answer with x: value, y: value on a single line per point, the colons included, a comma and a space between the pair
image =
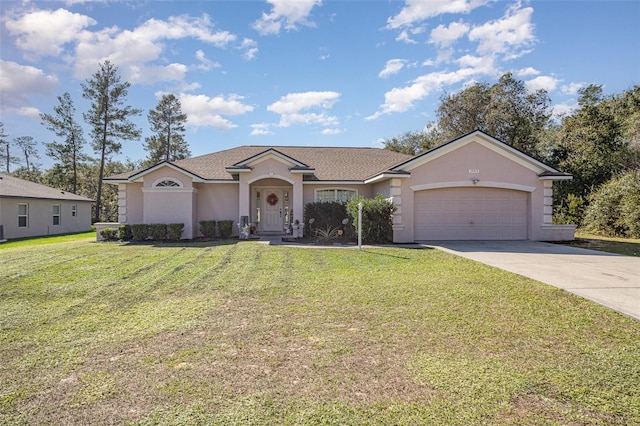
x: 598, y: 143
x: 109, y: 119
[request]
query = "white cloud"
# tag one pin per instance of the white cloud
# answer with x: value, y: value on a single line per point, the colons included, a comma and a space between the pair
x: 205, y: 111
x: 296, y: 102
x: 205, y: 64
x: 484, y: 65
x: 508, y: 36
x: 405, y: 37
x: 572, y: 88
x: 403, y: 98
x: 17, y: 82
x: 287, y: 13
x: 250, y: 48
x: 563, y: 109
x: 393, y: 66
x: 131, y: 50
x: 416, y: 11
x: 331, y: 131
x: 526, y: 72
x: 443, y: 36
x: 543, y: 82
x: 291, y: 108
x: 45, y: 32
x: 261, y: 129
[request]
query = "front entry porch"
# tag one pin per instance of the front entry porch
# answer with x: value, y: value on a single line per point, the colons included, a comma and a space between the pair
x: 273, y: 207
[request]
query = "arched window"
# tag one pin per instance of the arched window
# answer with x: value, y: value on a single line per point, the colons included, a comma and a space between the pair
x: 167, y: 182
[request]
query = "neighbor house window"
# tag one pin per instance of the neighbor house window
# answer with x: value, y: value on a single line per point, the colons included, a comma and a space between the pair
x: 339, y: 195
x: 56, y: 214
x: 74, y: 210
x: 23, y: 215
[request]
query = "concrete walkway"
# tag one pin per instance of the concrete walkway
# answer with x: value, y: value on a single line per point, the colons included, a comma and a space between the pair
x: 609, y: 279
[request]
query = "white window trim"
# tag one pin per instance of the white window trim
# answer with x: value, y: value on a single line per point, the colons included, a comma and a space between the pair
x: 335, y: 192
x: 74, y: 210
x: 23, y: 215
x: 169, y: 179
x: 54, y: 215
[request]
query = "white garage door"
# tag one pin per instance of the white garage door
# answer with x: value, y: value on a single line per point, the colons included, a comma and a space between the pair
x: 471, y: 214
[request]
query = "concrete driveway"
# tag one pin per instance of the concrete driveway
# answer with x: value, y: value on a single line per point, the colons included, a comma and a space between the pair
x: 609, y: 279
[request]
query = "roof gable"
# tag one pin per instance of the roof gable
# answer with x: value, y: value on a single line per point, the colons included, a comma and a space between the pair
x: 271, y: 153
x: 13, y: 187
x: 488, y: 142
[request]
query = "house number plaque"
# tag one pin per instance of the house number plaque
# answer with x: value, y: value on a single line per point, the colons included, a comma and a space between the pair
x: 474, y: 171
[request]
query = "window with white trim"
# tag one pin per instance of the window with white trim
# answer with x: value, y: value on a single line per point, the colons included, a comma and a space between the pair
x: 23, y: 215
x: 74, y: 210
x: 56, y: 214
x: 339, y: 195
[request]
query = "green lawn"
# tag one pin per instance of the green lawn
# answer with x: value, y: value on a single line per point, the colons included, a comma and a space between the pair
x: 626, y: 246
x: 246, y: 333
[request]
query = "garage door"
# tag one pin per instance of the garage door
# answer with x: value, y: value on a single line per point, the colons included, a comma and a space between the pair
x: 471, y: 214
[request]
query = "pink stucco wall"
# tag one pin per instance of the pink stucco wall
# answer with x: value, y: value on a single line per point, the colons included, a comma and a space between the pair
x: 217, y: 202
x: 459, y: 167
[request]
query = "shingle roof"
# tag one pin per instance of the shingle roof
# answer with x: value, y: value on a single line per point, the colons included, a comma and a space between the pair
x: 330, y: 163
x: 13, y: 187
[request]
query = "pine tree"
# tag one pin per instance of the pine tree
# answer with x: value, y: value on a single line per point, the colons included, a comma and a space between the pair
x: 108, y: 117
x: 168, y: 123
x: 69, y: 152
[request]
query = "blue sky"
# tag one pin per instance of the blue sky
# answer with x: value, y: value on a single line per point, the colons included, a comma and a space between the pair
x: 305, y: 72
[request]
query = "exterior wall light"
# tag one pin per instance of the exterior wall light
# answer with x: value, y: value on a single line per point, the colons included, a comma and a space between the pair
x: 475, y: 180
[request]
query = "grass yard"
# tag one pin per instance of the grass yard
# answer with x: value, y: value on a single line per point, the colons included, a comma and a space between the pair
x: 626, y: 246
x: 246, y: 333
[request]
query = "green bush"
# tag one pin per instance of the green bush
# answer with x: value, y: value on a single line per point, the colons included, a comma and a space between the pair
x: 225, y: 228
x: 109, y: 234
x: 327, y: 215
x: 139, y: 232
x: 158, y: 231
x: 377, y: 218
x: 615, y: 207
x: 570, y: 211
x: 124, y: 232
x: 208, y: 228
x: 174, y: 231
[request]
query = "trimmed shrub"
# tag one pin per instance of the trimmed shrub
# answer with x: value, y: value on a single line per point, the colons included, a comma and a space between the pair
x: 615, y: 207
x: 109, y: 234
x: 139, y: 232
x: 124, y: 232
x: 326, y: 216
x: 377, y: 218
x: 158, y: 231
x: 225, y: 228
x: 174, y: 231
x: 208, y: 228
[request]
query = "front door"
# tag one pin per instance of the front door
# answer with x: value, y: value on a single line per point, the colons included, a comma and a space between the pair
x: 273, y: 216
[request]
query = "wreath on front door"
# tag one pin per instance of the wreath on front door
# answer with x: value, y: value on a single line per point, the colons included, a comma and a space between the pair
x: 272, y: 199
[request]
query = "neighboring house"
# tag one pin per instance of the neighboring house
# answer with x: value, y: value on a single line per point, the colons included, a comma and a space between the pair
x: 474, y: 187
x: 29, y: 209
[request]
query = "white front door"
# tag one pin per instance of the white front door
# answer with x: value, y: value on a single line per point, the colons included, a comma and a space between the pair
x: 272, y: 214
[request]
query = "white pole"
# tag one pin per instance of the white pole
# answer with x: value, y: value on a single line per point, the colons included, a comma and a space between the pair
x: 360, y: 225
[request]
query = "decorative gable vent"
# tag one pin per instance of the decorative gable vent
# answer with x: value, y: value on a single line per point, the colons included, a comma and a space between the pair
x: 167, y: 183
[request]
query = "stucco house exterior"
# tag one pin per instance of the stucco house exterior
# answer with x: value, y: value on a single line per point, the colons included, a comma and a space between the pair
x: 28, y: 209
x: 472, y: 188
